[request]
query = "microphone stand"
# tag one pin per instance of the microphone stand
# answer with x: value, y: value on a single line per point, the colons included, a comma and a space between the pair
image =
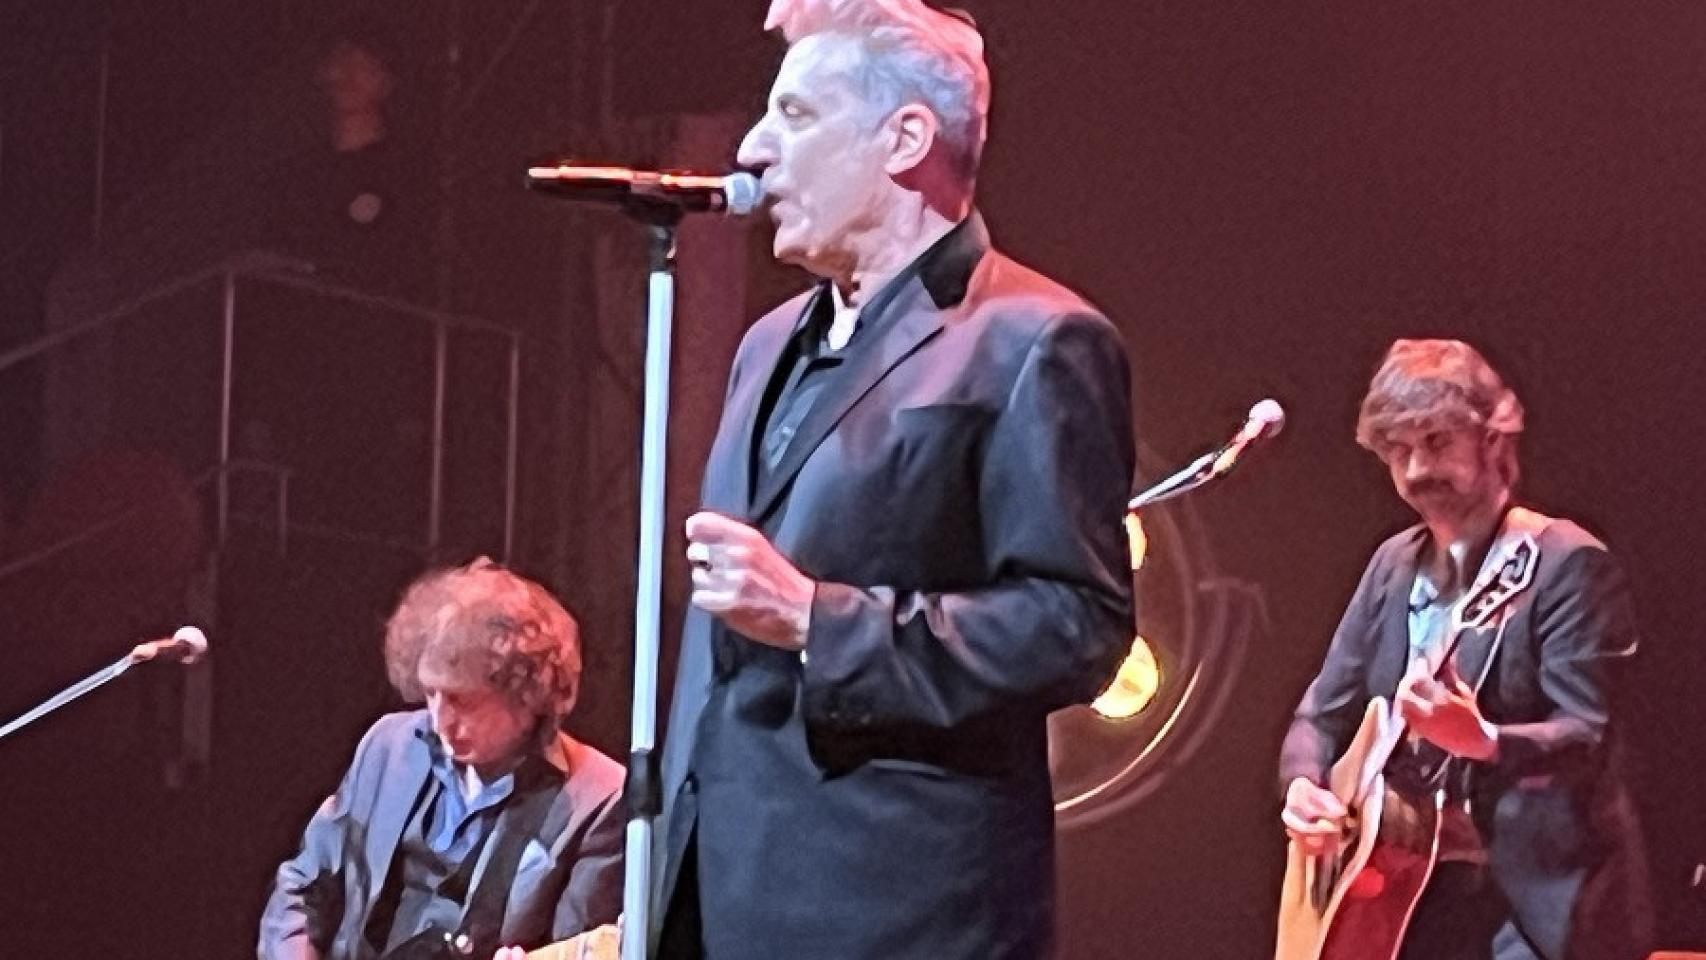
x: 88, y: 684
x: 643, y: 790
x: 1200, y: 472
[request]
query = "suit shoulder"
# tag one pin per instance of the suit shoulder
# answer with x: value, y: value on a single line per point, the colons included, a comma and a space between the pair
x: 394, y: 728
x: 1566, y: 536
x: 1397, y: 542
x: 1014, y: 309
x: 594, y: 777
x: 1390, y: 554
x: 1024, y: 297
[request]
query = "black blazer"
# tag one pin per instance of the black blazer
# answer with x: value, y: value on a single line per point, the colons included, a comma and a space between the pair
x: 1554, y: 810
x: 957, y: 490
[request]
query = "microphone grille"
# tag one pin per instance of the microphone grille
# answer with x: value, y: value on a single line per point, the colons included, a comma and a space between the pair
x: 192, y: 636
x: 1270, y: 415
x: 742, y: 192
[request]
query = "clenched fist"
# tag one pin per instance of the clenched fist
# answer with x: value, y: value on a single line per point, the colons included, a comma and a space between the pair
x: 744, y: 581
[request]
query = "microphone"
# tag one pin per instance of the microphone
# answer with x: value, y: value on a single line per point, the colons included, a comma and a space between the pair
x: 186, y: 645
x: 1265, y: 419
x: 736, y: 194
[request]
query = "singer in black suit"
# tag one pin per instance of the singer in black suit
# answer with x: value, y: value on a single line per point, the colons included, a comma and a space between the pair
x: 910, y: 548
x: 1540, y: 855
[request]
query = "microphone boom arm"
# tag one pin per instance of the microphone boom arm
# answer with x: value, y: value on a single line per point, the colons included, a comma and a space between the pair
x: 194, y: 645
x: 1193, y: 475
x: 1266, y: 418
x: 86, y: 685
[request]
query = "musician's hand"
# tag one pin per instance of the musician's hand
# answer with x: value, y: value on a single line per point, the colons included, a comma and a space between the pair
x: 1313, y: 817
x: 1443, y: 712
x: 599, y: 943
x: 742, y: 580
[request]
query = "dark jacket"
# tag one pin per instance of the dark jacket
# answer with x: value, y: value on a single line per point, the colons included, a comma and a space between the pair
x: 957, y: 490
x: 568, y: 879
x: 1553, y: 808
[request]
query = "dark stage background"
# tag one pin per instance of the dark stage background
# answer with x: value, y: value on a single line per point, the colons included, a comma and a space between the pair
x: 1261, y: 195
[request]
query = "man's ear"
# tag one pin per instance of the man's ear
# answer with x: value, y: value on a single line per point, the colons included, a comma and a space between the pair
x: 912, y: 134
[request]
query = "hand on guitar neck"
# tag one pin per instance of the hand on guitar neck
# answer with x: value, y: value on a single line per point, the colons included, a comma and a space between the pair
x: 1313, y: 817
x: 1441, y: 710
x: 599, y: 943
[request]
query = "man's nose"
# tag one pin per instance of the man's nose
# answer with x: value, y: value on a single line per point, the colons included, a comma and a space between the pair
x: 757, y: 149
x: 1416, y: 466
x: 444, y: 719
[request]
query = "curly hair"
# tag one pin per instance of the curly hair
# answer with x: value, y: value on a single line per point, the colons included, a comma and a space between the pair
x: 1431, y: 384
x: 484, y: 625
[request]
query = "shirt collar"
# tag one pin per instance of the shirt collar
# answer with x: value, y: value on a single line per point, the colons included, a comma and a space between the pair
x: 1423, y: 593
x: 551, y: 754
x: 945, y: 270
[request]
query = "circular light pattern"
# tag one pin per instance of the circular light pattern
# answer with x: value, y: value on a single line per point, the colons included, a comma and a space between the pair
x: 1173, y: 683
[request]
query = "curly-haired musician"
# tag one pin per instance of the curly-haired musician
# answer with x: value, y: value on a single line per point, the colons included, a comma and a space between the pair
x: 475, y: 817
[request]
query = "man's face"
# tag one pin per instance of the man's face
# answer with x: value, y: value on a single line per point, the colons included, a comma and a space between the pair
x: 822, y: 154
x: 477, y: 724
x: 1443, y: 473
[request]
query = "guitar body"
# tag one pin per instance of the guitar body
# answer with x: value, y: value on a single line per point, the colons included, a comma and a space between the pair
x: 1355, y: 903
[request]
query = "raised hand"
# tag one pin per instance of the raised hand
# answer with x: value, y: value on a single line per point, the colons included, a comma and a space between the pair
x: 744, y: 581
x: 1443, y: 712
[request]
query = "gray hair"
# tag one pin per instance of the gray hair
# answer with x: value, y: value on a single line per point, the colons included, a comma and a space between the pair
x: 912, y: 54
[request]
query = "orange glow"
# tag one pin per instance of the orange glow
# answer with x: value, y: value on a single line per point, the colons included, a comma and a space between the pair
x: 1138, y: 539
x: 689, y: 181
x: 1134, y: 686
x: 571, y: 172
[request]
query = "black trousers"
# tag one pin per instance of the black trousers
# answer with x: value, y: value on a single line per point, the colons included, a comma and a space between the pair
x: 680, y: 934
x: 1463, y: 916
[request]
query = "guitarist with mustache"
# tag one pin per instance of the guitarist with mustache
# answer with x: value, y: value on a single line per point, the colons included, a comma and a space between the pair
x: 1538, y: 855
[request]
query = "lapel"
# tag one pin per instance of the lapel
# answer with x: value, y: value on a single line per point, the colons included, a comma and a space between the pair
x: 744, y: 414
x: 520, y: 820
x: 909, y: 312
x: 538, y: 781
x: 1392, y: 649
x: 397, y: 795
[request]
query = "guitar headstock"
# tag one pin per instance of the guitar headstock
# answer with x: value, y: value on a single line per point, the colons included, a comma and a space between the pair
x: 1513, y: 575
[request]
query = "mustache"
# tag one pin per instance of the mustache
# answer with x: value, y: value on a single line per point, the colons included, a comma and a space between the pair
x: 1425, y: 485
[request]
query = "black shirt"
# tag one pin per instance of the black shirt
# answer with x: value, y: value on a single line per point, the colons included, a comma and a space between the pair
x: 807, y: 365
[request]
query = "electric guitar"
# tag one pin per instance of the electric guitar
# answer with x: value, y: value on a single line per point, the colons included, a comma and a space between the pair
x: 1354, y: 902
